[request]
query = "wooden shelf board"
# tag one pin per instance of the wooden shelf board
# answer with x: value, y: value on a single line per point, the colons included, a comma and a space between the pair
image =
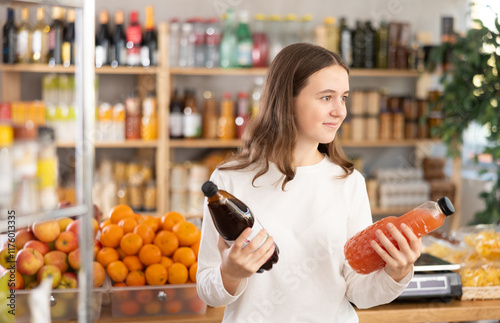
x: 204, y: 143
x: 44, y: 68
x: 124, y: 144
x: 386, y: 143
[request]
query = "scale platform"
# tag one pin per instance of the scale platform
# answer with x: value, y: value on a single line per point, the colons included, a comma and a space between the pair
x: 433, y: 278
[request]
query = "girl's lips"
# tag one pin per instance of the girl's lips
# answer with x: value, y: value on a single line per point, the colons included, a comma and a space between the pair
x: 331, y: 125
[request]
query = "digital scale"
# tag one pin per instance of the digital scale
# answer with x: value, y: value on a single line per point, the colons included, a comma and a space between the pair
x: 433, y: 278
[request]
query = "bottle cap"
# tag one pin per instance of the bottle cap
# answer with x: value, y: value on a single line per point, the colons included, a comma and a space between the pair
x: 209, y: 188
x: 445, y: 205
x: 259, y: 16
x: 226, y: 95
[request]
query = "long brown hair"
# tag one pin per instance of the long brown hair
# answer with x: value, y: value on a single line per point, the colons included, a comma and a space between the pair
x: 272, y: 135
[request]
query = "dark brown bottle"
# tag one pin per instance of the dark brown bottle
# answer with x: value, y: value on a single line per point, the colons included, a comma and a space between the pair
x: 231, y: 216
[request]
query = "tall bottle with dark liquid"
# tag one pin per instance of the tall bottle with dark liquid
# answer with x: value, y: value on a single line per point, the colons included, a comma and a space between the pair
x: 133, y: 35
x: 149, y: 49
x: 118, y: 52
x: 68, y: 46
x: 9, y: 38
x: 102, y: 40
x: 231, y: 216
x: 56, y: 36
x: 421, y: 220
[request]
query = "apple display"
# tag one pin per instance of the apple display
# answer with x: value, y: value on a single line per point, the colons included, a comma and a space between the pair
x: 68, y: 280
x: 74, y: 259
x: 63, y: 223
x: 23, y: 236
x: 50, y: 270
x: 47, y: 231
x: 29, y: 261
x: 67, y: 241
x: 58, y: 259
x: 42, y: 247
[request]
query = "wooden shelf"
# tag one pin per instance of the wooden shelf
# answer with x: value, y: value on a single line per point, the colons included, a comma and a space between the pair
x: 355, y: 72
x: 204, y: 143
x: 44, y: 68
x: 124, y: 144
x: 387, y: 143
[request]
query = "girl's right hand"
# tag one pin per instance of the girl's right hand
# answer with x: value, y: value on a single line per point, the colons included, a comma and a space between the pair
x: 241, y: 261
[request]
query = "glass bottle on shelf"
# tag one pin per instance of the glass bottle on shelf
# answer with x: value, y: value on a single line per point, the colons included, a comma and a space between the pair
x: 199, y: 42
x: 102, y: 40
x: 150, y: 195
x: 40, y: 38
x: 173, y: 42
x: 24, y: 37
x: 191, y: 121
x: 358, y: 51
x: 118, y: 51
x: 382, y: 45
x: 370, y: 39
x: 47, y: 169
x: 291, y: 29
x: 332, y: 34
x: 345, y: 42
x: 212, y: 38
x: 56, y: 36
x: 119, y: 122
x: 68, y: 46
x: 307, y: 34
x: 244, y: 41
x: 132, y: 117
x: 256, y: 94
x: 149, y: 49
x: 276, y: 42
x: 260, y: 49
x: 133, y: 35
x: 176, y: 116
x: 209, y: 116
x: 149, y: 123
x: 242, y: 113
x: 226, y: 128
x: 6, y: 169
x: 186, y: 46
x: 228, y: 41
x: 9, y: 38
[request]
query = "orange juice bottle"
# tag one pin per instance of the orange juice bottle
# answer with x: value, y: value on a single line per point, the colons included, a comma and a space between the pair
x: 226, y: 128
x: 422, y: 220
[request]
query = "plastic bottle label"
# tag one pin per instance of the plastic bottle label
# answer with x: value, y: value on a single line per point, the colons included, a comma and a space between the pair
x: 255, y: 230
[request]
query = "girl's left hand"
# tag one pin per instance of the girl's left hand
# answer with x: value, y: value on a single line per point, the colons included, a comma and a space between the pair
x: 398, y: 263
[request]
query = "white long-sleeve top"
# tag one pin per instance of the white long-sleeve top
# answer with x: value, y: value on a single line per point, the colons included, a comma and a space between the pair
x: 310, y: 222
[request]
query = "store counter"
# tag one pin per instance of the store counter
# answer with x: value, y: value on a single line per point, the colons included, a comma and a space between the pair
x: 455, y: 311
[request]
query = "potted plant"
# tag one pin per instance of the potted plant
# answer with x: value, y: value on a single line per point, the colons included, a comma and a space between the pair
x: 471, y: 93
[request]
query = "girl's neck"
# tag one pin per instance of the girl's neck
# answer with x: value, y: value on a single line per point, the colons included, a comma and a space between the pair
x: 303, y: 157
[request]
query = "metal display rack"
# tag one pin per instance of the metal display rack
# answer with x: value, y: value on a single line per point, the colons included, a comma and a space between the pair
x: 84, y: 148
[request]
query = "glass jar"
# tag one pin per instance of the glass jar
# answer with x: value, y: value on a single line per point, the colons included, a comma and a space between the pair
x: 150, y: 196
x: 47, y: 168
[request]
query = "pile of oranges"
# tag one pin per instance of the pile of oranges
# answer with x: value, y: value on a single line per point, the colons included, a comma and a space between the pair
x: 142, y: 250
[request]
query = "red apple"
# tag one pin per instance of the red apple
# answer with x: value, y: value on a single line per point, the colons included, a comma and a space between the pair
x: 97, y: 247
x: 57, y: 258
x: 75, y: 227
x: 68, y: 280
x: 46, y: 231
x: 63, y: 223
x: 50, y: 270
x: 15, y: 282
x: 23, y: 236
x: 38, y: 245
x: 29, y: 261
x: 99, y: 274
x: 74, y: 259
x: 67, y: 241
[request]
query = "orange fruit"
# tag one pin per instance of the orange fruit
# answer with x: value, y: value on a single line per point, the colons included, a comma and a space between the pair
x: 144, y: 296
x: 111, y: 235
x: 192, y: 272
x: 166, y: 262
x: 121, y: 253
x: 106, y: 255
x: 170, y: 219
x: 167, y: 242
x: 146, y: 232
x: 129, y: 307
x: 152, y: 221
x: 156, y: 274
x: 150, y: 254
x: 128, y: 224
x: 117, y: 271
x: 131, y: 243
x: 133, y: 263
x: 120, y: 212
x: 135, y: 278
x: 187, y: 233
x: 185, y: 256
x: 120, y: 284
x: 104, y: 223
x: 196, y: 248
x: 173, y: 307
x: 177, y: 274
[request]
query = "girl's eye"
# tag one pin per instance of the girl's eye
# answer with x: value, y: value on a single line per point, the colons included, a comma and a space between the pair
x: 344, y: 99
x: 326, y: 98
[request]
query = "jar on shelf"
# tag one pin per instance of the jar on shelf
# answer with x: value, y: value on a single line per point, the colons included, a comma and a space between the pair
x: 226, y: 127
x: 47, y: 168
x: 209, y: 128
x: 132, y: 118
x: 149, y: 121
x: 122, y: 194
x: 150, y: 196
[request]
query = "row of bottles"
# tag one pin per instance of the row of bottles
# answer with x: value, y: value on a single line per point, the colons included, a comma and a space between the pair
x: 54, y: 43
x: 135, y: 119
x: 216, y: 119
x: 28, y: 169
x: 125, y: 182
